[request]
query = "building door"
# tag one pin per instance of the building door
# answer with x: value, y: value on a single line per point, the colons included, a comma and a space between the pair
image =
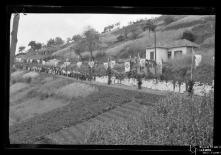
x: 169, y: 54
x: 151, y: 55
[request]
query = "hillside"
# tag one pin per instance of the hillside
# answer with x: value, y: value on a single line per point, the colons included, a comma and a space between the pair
x: 203, y: 27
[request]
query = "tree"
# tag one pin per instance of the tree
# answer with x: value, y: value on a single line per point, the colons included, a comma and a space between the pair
x: 32, y: 44
x: 91, y: 40
x: 14, y: 39
x: 134, y: 33
x: 21, y: 48
x: 35, y: 46
x: 152, y: 27
x: 120, y: 38
x: 178, y: 69
x: 54, y: 42
x: 168, y: 20
x: 76, y: 37
x: 59, y: 41
x: 38, y: 46
x: 188, y: 35
x: 79, y: 47
x: 50, y: 42
x: 68, y: 40
x: 125, y: 32
x: 117, y: 24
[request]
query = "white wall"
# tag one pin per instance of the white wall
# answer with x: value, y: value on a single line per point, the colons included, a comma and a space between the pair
x: 183, y: 49
x: 148, y: 53
x: 162, y: 55
x: 160, y: 52
x: 161, y: 85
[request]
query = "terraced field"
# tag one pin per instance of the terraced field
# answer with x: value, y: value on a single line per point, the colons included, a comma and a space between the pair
x: 40, y: 110
x: 76, y: 134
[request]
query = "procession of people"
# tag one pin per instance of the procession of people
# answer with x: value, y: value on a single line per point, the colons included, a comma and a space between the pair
x: 41, y: 66
x: 134, y: 68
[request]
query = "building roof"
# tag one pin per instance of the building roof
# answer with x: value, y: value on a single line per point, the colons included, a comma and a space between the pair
x: 174, y: 44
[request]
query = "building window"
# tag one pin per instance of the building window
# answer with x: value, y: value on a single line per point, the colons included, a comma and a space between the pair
x: 169, y: 54
x: 151, y: 55
x: 177, y: 53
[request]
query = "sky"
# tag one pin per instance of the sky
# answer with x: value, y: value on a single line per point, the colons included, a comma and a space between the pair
x: 42, y: 27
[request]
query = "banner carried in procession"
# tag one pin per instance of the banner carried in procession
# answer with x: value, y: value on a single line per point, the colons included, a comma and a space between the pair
x: 127, y: 66
x: 112, y: 63
x: 142, y: 62
x: 105, y: 65
x: 198, y: 59
x: 91, y: 63
x: 159, y: 68
x: 18, y: 59
x: 79, y: 64
x: 67, y: 63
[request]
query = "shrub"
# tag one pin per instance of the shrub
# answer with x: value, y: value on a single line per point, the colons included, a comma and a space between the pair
x: 168, y: 20
x: 119, y: 67
x: 100, y: 55
x: 204, y: 73
x: 100, y: 70
x: 120, y: 38
x: 13, y: 69
x: 177, y: 69
x: 174, y: 120
x: 188, y: 35
x: 134, y: 33
x: 183, y: 25
x: 13, y: 81
x: 28, y: 80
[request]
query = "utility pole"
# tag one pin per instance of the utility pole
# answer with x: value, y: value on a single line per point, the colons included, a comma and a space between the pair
x: 191, y: 84
x: 14, y: 39
x: 155, y: 45
x: 155, y: 52
x: 191, y: 74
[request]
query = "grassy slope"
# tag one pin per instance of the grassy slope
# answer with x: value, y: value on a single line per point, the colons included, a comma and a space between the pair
x: 200, y: 25
x: 168, y: 32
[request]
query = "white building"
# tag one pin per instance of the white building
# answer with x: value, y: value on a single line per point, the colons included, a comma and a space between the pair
x: 169, y: 50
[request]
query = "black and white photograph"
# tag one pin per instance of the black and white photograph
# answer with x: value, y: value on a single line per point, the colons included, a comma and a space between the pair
x: 112, y: 79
